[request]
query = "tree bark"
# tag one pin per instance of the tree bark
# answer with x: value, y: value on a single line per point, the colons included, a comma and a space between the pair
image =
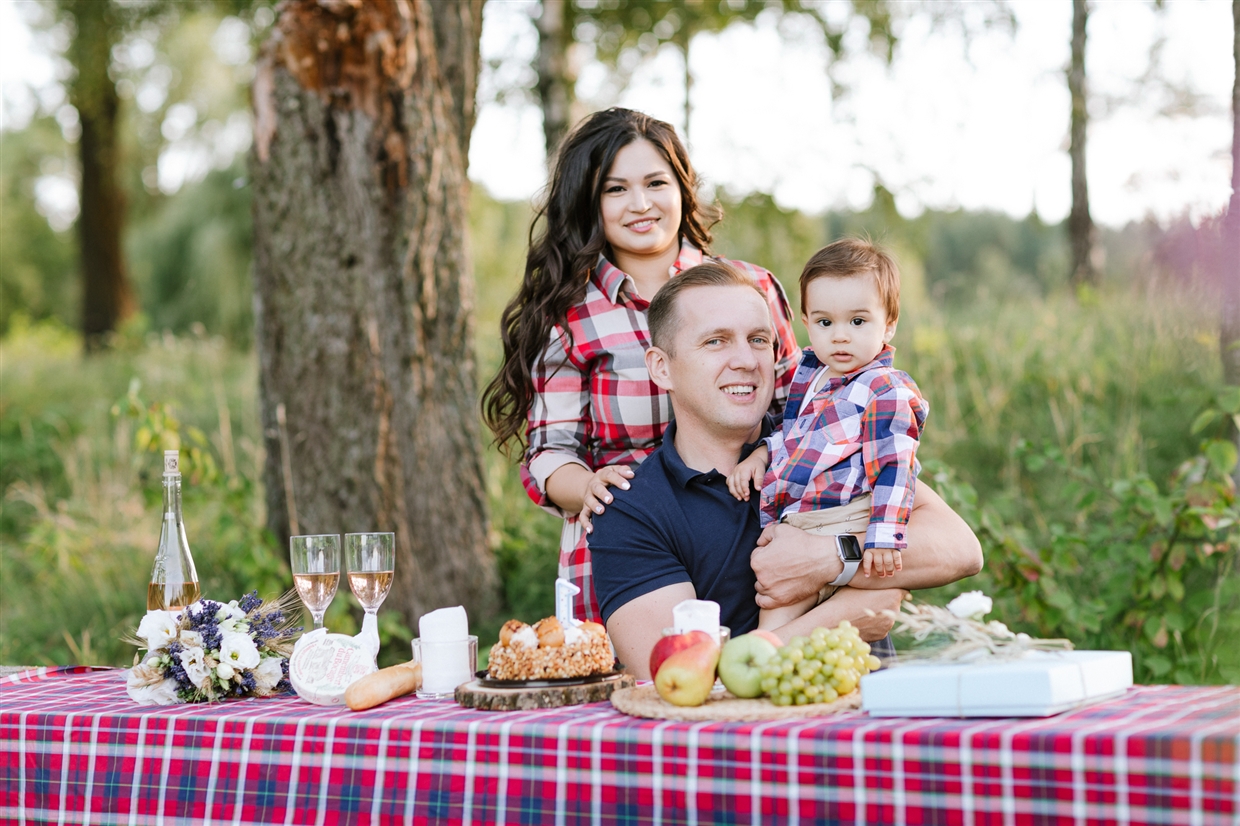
x: 1081, y: 233
x: 557, y: 77
x: 363, y: 288
x: 107, y: 298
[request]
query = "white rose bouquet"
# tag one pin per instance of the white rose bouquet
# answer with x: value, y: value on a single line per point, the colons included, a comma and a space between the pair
x: 928, y: 633
x: 213, y: 650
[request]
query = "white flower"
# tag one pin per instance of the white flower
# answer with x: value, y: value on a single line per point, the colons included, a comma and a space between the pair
x: 163, y: 693
x: 268, y: 673
x: 231, y: 618
x: 971, y: 605
x: 194, y: 662
x: 224, y: 671
x: 190, y: 639
x: 238, y: 650
x: 158, y: 628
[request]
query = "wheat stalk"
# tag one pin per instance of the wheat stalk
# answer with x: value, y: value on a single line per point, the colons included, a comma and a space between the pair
x: 939, y: 636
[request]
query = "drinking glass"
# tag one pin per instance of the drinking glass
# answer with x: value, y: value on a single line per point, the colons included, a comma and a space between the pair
x: 316, y: 571
x: 371, y: 558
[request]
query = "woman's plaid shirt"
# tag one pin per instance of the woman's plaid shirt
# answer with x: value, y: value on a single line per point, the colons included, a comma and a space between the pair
x: 857, y: 435
x: 594, y: 403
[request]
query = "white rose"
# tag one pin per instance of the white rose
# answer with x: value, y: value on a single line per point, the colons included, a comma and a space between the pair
x: 231, y: 618
x: 193, y: 660
x: 971, y: 605
x: 158, y: 628
x: 163, y: 693
x: 238, y: 650
x: 224, y: 671
x: 268, y: 673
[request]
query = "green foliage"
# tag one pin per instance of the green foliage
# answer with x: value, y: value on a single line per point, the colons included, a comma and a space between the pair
x: 191, y: 259
x: 38, y: 279
x: 1126, y: 565
x: 81, y: 505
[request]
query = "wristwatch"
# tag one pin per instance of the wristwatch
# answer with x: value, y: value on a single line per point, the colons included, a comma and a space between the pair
x: 849, y: 549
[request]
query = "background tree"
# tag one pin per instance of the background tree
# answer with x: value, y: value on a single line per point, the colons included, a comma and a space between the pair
x: 107, y: 298
x: 363, y: 113
x: 1081, y: 233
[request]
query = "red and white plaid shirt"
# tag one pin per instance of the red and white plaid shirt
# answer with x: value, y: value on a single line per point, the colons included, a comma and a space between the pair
x: 595, y: 405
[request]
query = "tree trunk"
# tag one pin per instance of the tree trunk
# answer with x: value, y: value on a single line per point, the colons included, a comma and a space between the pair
x: 1229, y: 330
x: 106, y: 295
x: 684, y: 37
x: 1081, y: 233
x: 364, y: 293
x: 557, y: 77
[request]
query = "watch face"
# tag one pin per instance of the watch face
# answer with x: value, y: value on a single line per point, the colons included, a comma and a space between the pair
x: 850, y: 548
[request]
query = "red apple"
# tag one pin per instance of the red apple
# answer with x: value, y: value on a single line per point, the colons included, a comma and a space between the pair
x: 686, y: 677
x: 669, y: 645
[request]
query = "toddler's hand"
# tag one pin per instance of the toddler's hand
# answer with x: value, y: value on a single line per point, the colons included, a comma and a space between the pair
x: 748, y: 472
x: 884, y: 561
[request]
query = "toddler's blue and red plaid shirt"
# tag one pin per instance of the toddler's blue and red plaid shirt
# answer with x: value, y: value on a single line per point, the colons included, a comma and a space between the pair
x: 857, y: 435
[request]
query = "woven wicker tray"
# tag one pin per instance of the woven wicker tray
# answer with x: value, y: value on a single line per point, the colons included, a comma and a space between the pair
x: 644, y: 701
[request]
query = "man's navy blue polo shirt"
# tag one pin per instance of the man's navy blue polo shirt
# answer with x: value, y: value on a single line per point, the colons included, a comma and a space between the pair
x: 676, y: 524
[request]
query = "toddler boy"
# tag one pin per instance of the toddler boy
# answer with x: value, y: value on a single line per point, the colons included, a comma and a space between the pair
x: 844, y: 460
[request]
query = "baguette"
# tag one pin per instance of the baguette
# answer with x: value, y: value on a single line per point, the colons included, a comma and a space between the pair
x: 385, y: 684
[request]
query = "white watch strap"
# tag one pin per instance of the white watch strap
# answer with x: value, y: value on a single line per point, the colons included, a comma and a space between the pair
x: 846, y: 575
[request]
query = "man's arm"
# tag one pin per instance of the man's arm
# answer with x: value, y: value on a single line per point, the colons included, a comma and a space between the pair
x: 636, y: 626
x: 791, y: 565
x: 850, y: 604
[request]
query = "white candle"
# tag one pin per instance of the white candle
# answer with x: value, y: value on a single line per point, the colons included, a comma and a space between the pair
x: 564, y: 593
x: 697, y: 615
x: 445, y: 650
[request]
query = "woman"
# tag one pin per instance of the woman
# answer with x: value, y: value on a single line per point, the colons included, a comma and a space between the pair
x: 620, y: 220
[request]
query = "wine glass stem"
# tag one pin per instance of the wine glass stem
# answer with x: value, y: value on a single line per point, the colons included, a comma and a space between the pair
x: 318, y: 618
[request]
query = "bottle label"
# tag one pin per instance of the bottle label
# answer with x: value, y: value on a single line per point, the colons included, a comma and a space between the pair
x: 172, y: 461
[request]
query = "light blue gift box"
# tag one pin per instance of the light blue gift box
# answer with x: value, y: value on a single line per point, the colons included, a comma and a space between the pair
x: 1039, y: 684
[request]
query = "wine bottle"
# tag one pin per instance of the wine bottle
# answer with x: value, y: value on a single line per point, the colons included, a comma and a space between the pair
x: 174, y: 581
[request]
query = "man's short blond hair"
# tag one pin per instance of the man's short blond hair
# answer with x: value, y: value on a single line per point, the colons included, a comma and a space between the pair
x: 663, y: 317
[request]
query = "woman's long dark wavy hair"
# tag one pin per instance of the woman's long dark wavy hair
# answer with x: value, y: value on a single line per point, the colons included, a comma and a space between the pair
x: 562, y: 258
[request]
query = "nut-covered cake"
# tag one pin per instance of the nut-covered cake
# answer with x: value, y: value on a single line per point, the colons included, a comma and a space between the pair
x: 548, y: 650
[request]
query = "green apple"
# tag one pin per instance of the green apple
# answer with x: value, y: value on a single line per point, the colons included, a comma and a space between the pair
x: 686, y: 677
x: 740, y: 664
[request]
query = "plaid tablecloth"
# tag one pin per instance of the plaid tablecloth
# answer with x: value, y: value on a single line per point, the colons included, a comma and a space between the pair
x: 74, y: 749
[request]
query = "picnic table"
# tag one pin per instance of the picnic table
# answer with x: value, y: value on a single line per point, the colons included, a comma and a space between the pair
x: 75, y: 749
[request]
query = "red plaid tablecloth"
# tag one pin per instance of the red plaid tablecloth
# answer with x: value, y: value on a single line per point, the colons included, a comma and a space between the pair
x: 74, y: 749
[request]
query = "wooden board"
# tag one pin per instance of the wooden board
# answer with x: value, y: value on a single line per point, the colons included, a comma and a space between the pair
x: 475, y: 695
x: 644, y: 701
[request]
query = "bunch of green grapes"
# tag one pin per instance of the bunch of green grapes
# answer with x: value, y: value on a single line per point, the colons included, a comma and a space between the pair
x: 819, y: 668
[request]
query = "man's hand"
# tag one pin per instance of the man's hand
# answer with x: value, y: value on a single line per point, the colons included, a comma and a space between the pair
x: 792, y: 565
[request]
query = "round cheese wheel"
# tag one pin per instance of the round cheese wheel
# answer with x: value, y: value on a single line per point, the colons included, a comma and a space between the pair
x: 324, y: 665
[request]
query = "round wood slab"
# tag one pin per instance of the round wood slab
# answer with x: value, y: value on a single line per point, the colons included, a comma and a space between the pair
x: 475, y: 695
x: 644, y: 701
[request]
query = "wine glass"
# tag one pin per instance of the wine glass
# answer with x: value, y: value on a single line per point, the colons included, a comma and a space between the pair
x: 371, y: 558
x: 316, y: 571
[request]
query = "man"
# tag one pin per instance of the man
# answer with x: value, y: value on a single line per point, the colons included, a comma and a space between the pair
x: 677, y: 533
